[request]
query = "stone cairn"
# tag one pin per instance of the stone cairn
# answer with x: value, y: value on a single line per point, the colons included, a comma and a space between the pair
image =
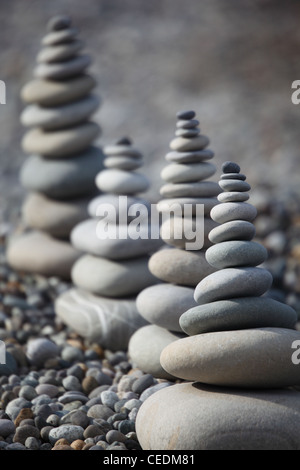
x: 60, y: 172
x: 113, y: 270
x: 238, y: 358
x: 178, y: 267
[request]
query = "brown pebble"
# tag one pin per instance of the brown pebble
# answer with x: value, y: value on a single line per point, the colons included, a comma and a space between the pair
x: 61, y: 442
x: 24, y: 413
x: 62, y: 447
x: 78, y: 444
x: 87, y: 446
x: 89, y: 383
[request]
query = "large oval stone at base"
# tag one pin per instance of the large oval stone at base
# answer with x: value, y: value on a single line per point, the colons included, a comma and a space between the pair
x: 193, y: 416
x: 110, y: 322
x: 145, y: 347
x: 37, y: 252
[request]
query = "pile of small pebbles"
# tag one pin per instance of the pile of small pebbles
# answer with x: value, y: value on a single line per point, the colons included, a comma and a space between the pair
x: 60, y: 392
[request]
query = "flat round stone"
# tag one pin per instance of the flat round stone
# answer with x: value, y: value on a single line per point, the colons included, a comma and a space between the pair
x: 63, y: 70
x: 122, y: 162
x: 186, y: 115
x: 112, y: 278
x: 126, y: 150
x: 59, y: 22
x: 145, y: 353
x: 233, y: 197
x: 187, y: 124
x: 250, y: 358
x: 60, y: 179
x: 110, y: 322
x: 233, y: 230
x: 228, y: 211
x: 162, y: 304
x: 188, y: 235
x: 193, y: 416
x: 85, y: 237
x: 230, y: 167
x: 183, y: 144
x: 181, y: 267
x: 236, y: 253
x: 54, y: 217
x: 234, y: 185
x: 62, y: 116
x: 58, y: 37
x: 37, y: 252
x: 196, y: 189
x: 194, y: 156
x: 121, y: 182
x: 56, y: 93
x: 60, y: 143
x: 59, y: 53
x: 237, y: 314
x: 187, y: 172
x: 125, y: 208
x: 233, y: 176
x: 187, y: 132
x: 233, y: 282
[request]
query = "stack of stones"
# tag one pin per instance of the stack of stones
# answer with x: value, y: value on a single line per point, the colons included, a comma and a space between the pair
x: 102, y: 305
x: 179, y: 266
x: 239, y: 355
x: 60, y: 172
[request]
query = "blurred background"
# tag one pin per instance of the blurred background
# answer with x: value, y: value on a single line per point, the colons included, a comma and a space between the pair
x: 232, y: 61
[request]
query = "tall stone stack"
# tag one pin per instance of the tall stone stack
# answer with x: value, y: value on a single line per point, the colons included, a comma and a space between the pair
x: 59, y: 174
x: 114, y: 268
x: 238, y: 358
x: 179, y: 266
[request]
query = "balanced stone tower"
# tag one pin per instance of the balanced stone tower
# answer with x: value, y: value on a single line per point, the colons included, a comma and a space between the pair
x: 60, y: 172
x: 238, y: 358
x: 181, y: 263
x: 114, y: 268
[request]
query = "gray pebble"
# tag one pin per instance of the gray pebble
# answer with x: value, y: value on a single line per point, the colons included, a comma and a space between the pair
x: 72, y: 383
x: 133, y: 403
x: 66, y: 431
x: 27, y: 392
x: 7, y: 427
x: 185, y: 115
x: 53, y: 420
x: 32, y: 443
x: 72, y: 354
x: 100, y: 411
x: 41, y: 349
x: 25, y: 431
x: 109, y: 398
x: 142, y: 383
x: 15, y: 446
x: 149, y: 391
x: 115, y: 435
x: 125, y: 426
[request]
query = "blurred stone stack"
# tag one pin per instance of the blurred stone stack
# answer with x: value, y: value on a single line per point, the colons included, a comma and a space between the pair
x: 239, y: 355
x: 102, y: 306
x: 181, y: 263
x: 59, y: 174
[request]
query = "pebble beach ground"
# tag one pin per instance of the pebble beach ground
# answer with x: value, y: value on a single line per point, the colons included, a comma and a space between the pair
x: 59, y: 392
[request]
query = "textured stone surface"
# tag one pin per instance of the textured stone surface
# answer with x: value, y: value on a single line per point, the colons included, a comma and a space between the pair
x: 111, y: 322
x: 236, y: 253
x: 198, y: 417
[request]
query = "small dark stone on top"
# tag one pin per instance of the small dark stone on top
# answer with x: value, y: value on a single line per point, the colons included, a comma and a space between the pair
x: 124, y: 141
x: 230, y: 167
x: 59, y: 22
x: 185, y: 115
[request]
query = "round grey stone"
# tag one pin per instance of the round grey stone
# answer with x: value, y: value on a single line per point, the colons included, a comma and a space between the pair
x: 177, y: 205
x: 236, y: 253
x: 60, y: 36
x: 111, y: 322
x: 63, y: 70
x: 59, y: 53
x: 41, y: 349
x: 177, y: 266
x: 193, y: 156
x: 60, y: 143
x: 195, y: 189
x: 162, y: 304
x: 239, y: 313
x: 62, y: 116
x: 187, y: 124
x: 228, y: 211
x: 112, y: 278
x: 7, y: 427
x: 187, y: 172
x: 233, y: 282
x: 233, y: 197
x: 183, y: 144
x: 70, y: 432
x: 230, y: 167
x: 59, y: 22
x: 248, y: 358
x: 185, y: 233
x: 234, y: 185
x: 233, y: 230
x: 63, y: 178
x: 100, y: 412
x: 121, y: 182
x: 215, y: 418
x: 122, y: 150
x: 186, y: 115
x: 123, y: 162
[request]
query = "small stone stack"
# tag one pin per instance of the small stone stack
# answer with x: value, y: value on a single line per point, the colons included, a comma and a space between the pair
x: 102, y: 306
x: 178, y: 265
x: 60, y: 172
x: 239, y: 355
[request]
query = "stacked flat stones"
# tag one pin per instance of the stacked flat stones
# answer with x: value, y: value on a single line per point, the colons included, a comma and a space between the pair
x: 107, y: 278
x: 238, y: 355
x: 60, y: 171
x: 179, y: 268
